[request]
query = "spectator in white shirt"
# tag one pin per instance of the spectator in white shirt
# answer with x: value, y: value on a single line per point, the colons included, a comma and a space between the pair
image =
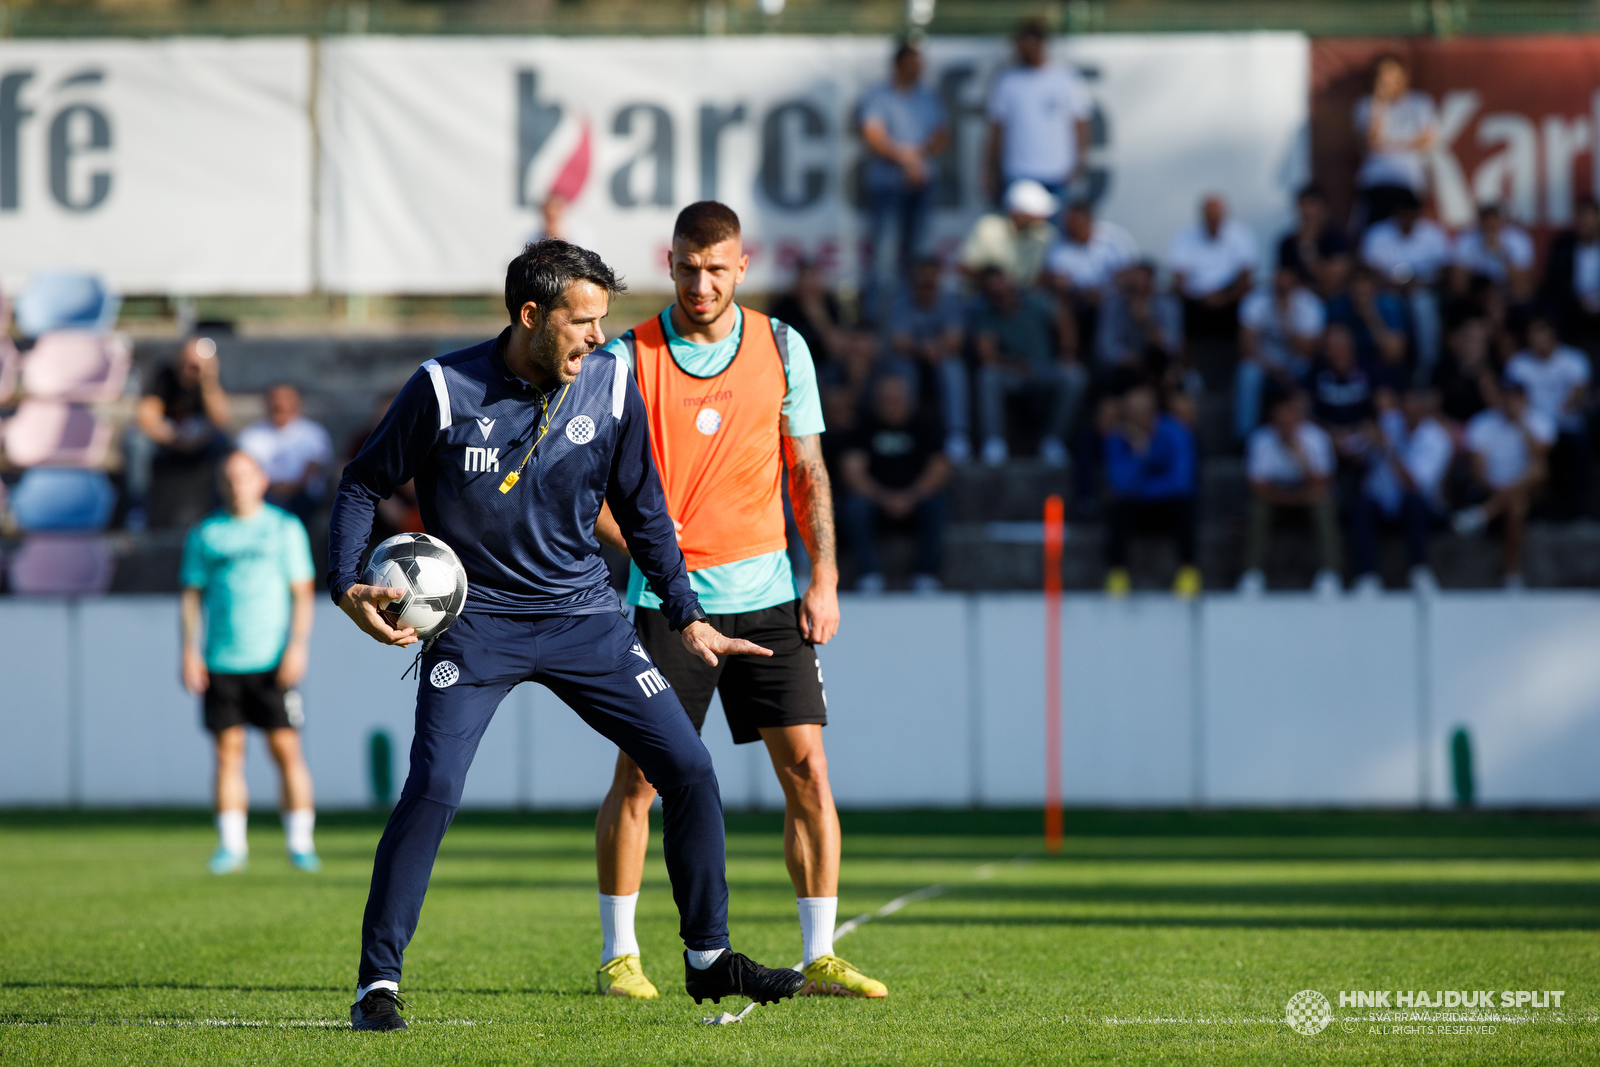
x: 1084, y: 264
x: 1290, y: 464
x: 1398, y: 126
x: 1411, y: 454
x: 1279, y: 329
x: 293, y: 451
x: 1016, y: 242
x: 1038, y: 120
x: 1213, y: 265
x: 1409, y: 251
x: 1556, y: 377
x: 1508, y: 443
x: 1499, y: 251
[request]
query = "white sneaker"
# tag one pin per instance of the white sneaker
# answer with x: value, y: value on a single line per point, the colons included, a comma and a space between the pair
x: 1368, y: 585
x: 1469, y: 521
x: 958, y: 448
x: 925, y: 584
x: 1252, y: 583
x: 995, y: 451
x: 1053, y: 452
x: 1423, y: 581
x: 1327, y: 584
x: 870, y: 584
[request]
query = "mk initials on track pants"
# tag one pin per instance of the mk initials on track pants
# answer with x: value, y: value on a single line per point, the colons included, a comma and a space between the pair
x: 595, y: 665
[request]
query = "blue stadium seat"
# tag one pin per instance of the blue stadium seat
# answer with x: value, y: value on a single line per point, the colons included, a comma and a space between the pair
x: 65, y: 300
x: 61, y: 499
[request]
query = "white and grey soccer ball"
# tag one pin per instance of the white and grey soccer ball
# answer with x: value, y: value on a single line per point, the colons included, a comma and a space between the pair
x: 434, y: 581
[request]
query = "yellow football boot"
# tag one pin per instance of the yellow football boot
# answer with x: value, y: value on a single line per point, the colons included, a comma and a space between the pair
x: 830, y: 976
x: 1118, y: 582
x: 1187, y: 584
x: 623, y: 977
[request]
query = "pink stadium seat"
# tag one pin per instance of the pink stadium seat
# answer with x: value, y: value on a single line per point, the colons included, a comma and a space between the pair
x: 57, y: 434
x: 62, y: 564
x: 77, y: 365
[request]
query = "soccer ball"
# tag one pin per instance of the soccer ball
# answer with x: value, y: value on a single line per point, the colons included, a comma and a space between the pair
x: 434, y: 581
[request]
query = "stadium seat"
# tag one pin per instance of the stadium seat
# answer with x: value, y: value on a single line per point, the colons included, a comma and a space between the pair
x: 77, y: 365
x: 62, y: 564
x: 59, y: 499
x: 56, y: 434
x: 65, y: 300
x: 9, y: 363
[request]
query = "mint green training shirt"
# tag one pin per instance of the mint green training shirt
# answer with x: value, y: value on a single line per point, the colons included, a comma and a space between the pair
x: 760, y: 581
x: 243, y: 568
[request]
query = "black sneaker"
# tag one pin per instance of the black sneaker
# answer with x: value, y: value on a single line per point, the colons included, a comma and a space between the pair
x: 378, y: 1010
x: 733, y: 974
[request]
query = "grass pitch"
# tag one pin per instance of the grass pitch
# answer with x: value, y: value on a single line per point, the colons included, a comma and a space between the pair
x: 1154, y: 937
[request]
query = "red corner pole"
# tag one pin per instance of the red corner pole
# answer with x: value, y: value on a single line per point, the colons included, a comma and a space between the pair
x: 1054, y: 535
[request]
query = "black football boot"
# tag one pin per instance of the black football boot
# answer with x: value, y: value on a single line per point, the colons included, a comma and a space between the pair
x: 733, y: 974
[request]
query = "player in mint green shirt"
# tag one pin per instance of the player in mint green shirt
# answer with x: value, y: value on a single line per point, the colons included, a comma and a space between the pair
x: 247, y: 569
x: 761, y: 581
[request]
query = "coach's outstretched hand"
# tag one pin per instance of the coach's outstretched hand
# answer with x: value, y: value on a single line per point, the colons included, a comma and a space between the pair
x: 702, y: 639
x: 362, y: 602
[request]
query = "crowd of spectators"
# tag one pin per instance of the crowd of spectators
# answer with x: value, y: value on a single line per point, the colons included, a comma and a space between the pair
x: 1378, y: 373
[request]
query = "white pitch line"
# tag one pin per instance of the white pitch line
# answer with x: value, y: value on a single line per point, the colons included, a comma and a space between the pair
x: 982, y: 873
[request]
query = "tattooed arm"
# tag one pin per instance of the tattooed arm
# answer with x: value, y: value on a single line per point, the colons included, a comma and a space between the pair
x: 812, y: 497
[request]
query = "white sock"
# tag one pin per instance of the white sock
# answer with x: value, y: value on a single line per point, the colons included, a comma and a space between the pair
x: 297, y: 827
x: 231, y: 829
x: 382, y: 983
x: 818, y: 917
x: 701, y: 958
x: 616, y: 926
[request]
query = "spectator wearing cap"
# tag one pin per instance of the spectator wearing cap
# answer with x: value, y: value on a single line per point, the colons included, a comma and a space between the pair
x: 1398, y: 126
x: 1571, y: 286
x: 1411, y: 454
x: 1316, y: 250
x: 182, y: 422
x: 1279, y: 329
x: 927, y: 327
x: 1290, y: 464
x: 1039, y: 120
x: 1556, y: 378
x: 1152, y: 473
x: 294, y: 451
x: 1408, y: 252
x: 1213, y: 263
x: 1508, y: 443
x: 894, y: 474
x: 1019, y: 338
x: 1084, y: 264
x: 905, y: 127
x: 1499, y: 251
x: 1018, y: 241
x: 1139, y: 322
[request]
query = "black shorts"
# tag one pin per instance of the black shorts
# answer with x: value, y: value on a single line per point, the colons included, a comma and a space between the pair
x: 251, y: 699
x: 784, y: 689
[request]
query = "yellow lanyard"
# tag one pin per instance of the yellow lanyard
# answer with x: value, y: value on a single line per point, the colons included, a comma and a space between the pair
x: 516, y: 475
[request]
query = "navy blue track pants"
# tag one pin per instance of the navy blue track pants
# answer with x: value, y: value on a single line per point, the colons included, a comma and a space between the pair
x: 595, y: 665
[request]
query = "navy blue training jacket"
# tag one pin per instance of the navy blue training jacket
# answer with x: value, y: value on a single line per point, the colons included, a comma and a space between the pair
x: 459, y: 426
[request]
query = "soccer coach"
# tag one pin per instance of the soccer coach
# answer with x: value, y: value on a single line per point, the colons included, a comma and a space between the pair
x: 513, y: 445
